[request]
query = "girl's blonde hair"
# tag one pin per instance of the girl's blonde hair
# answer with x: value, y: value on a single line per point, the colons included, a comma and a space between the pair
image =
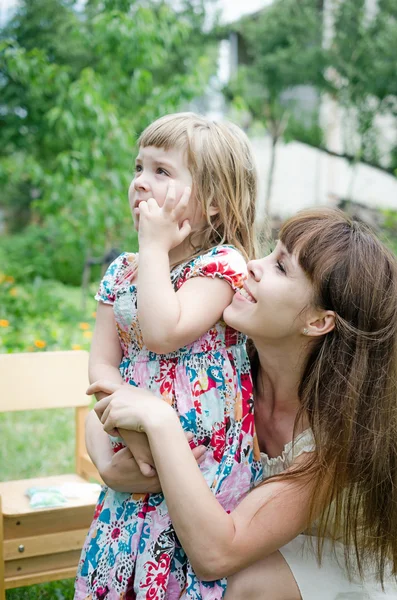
x: 220, y: 160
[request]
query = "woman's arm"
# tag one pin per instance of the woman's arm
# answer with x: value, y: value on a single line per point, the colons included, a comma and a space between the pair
x: 217, y: 543
x: 118, y: 470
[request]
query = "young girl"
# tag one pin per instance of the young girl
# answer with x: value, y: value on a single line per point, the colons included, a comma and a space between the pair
x: 159, y: 326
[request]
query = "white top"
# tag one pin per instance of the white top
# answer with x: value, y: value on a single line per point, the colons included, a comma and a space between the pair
x: 331, y: 577
x: 304, y: 442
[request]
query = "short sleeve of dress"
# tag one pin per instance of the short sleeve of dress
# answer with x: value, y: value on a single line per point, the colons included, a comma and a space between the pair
x: 225, y: 262
x: 117, y: 272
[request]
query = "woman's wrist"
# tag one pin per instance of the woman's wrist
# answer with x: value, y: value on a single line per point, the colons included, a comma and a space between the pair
x: 155, y: 421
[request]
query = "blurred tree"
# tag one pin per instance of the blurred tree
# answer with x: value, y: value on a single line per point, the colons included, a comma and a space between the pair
x: 72, y: 104
x: 283, y: 46
x: 362, y: 74
x: 283, y: 49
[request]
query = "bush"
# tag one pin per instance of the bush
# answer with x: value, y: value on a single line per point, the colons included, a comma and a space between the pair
x: 43, y: 315
x: 48, y: 253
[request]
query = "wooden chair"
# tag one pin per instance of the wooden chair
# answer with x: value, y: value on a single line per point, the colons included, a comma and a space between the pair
x: 38, y: 545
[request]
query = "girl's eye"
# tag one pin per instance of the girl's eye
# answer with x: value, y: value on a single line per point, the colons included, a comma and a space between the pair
x: 138, y: 168
x: 281, y: 267
x: 161, y: 171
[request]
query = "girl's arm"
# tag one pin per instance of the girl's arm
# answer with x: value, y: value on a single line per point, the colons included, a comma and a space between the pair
x: 170, y: 320
x: 105, y: 353
x: 217, y: 543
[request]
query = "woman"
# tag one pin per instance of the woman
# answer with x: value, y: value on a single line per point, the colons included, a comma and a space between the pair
x: 322, y: 312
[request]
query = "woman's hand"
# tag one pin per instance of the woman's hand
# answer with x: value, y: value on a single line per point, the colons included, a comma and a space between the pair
x: 122, y: 473
x: 129, y: 407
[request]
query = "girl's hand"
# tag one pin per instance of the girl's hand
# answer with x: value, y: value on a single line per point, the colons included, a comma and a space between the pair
x: 164, y: 226
x: 124, y: 407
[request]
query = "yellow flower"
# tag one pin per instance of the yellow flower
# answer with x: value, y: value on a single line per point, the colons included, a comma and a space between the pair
x: 40, y: 343
x: 94, y: 314
x: 13, y: 292
x: 84, y: 326
x: 2, y: 277
x: 87, y: 334
x: 9, y: 279
x: 76, y: 347
x: 4, y: 323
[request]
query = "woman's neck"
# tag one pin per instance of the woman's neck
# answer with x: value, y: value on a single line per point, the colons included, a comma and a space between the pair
x: 279, y: 376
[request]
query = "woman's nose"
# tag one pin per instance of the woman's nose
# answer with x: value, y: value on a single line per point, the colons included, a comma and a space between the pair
x: 254, y: 269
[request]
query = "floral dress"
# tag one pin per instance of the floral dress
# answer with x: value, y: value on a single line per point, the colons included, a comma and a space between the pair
x: 131, y: 550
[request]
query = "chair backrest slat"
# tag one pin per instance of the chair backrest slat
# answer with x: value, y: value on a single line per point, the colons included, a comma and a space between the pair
x: 40, y: 380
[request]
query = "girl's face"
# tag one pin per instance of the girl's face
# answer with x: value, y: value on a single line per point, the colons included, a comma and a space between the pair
x: 275, y: 301
x: 154, y: 167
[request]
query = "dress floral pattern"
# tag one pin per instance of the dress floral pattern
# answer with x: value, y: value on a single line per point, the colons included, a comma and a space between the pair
x: 131, y: 550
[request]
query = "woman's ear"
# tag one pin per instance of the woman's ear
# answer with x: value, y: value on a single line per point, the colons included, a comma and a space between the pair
x: 320, y: 324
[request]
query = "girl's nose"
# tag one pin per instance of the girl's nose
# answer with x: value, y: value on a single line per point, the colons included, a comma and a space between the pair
x: 140, y: 182
x: 254, y: 269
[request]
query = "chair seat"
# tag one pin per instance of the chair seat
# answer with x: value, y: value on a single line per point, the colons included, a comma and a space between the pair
x: 16, y: 503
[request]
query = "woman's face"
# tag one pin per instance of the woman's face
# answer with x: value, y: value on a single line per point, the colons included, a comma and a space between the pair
x: 276, y: 298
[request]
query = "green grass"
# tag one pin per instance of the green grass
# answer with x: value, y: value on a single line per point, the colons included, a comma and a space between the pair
x: 57, y: 590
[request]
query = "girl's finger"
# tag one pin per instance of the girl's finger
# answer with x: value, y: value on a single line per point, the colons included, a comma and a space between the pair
x: 185, y: 229
x: 151, y: 203
x: 103, y: 385
x: 169, y: 201
x: 181, y: 206
x: 199, y: 453
x: 143, y: 207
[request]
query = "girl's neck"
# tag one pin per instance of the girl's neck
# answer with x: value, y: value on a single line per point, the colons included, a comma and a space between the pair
x: 182, y: 253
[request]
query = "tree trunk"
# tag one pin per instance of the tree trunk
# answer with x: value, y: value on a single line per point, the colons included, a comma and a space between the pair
x: 270, y: 175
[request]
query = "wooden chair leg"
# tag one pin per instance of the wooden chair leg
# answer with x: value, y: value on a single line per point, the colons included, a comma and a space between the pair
x: 2, y: 582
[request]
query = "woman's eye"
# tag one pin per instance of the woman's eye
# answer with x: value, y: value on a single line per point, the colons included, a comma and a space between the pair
x: 281, y: 267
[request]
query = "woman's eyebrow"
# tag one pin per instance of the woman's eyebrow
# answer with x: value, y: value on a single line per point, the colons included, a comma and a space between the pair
x: 286, y: 256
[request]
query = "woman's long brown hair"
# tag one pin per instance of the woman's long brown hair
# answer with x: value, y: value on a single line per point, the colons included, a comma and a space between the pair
x: 349, y: 386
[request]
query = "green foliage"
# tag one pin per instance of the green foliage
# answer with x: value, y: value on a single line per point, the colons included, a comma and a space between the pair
x: 304, y: 130
x: 283, y: 49
x: 43, y: 315
x: 285, y: 46
x: 77, y: 88
x: 362, y: 70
